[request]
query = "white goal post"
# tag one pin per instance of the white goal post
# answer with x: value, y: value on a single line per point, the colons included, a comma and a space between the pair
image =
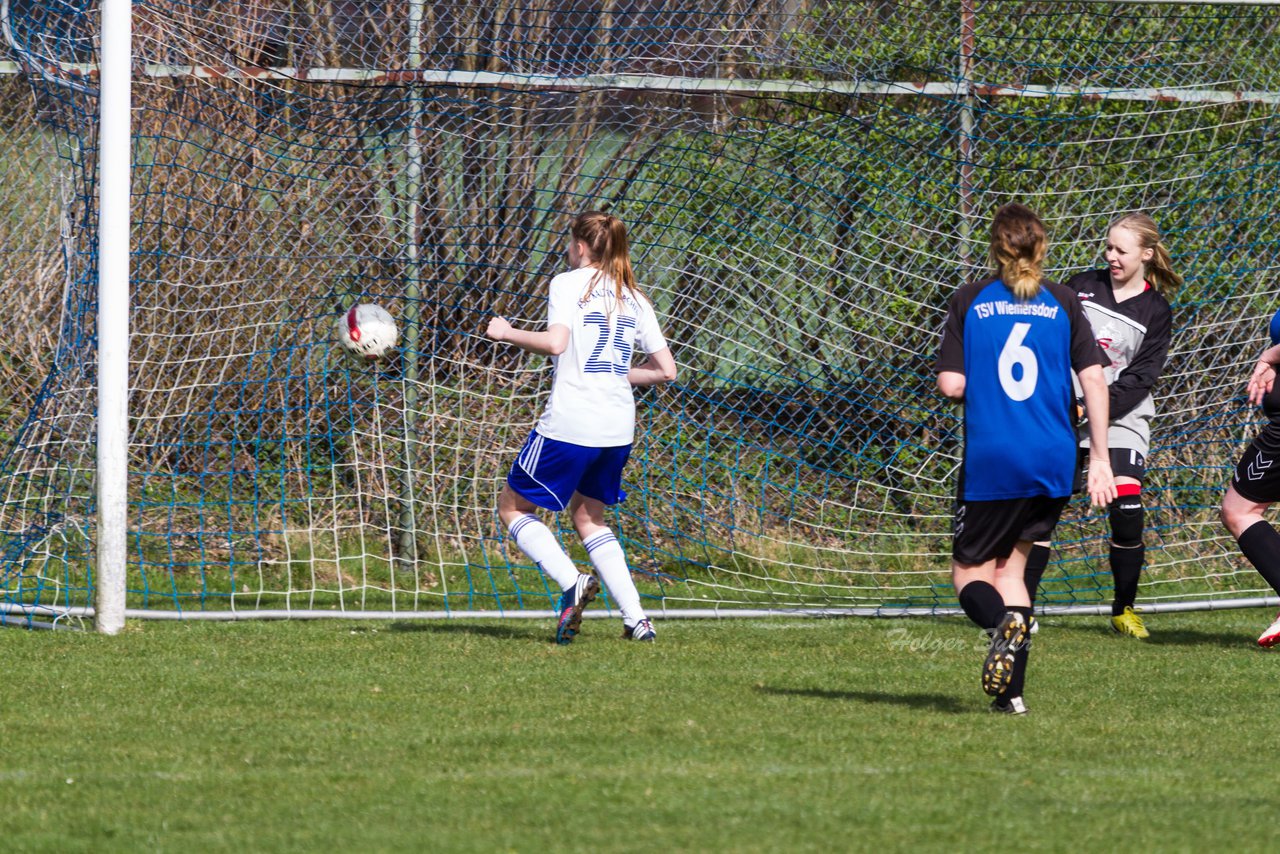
x: 114, y: 236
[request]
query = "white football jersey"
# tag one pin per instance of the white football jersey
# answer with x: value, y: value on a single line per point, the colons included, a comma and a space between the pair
x: 591, y: 401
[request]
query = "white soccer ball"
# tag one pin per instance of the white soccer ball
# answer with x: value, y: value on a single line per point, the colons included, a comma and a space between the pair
x: 366, y: 330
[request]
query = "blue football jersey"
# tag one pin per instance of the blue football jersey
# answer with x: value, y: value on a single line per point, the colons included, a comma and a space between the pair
x: 1017, y: 357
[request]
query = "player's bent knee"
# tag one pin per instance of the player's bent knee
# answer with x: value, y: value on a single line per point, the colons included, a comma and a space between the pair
x: 1127, y: 520
x: 1238, y: 513
x: 586, y: 516
x: 1227, y: 516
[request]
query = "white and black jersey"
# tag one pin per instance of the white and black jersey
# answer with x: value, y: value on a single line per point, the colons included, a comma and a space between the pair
x: 1135, y: 335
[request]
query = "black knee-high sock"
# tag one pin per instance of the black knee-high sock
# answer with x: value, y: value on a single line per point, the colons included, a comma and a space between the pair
x: 1018, y: 678
x: 983, y: 604
x: 1037, y: 561
x: 1261, y: 545
x: 1126, y: 566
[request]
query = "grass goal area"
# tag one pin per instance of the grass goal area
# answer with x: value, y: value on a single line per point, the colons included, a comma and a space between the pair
x: 805, y: 184
x: 732, y: 735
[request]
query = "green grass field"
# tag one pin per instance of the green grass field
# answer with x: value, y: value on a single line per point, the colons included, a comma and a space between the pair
x: 760, y: 735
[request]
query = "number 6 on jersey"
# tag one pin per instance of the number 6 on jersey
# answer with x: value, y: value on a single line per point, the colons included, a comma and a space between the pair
x: 1017, y: 353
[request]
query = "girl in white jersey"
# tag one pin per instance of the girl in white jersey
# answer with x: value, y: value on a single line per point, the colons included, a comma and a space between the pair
x: 596, y: 319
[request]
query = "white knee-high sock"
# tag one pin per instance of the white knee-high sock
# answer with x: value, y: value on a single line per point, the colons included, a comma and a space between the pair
x: 611, y: 565
x: 536, y: 540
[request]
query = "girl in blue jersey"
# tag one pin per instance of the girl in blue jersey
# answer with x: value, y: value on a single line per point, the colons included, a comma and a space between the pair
x: 1009, y: 347
x: 596, y: 318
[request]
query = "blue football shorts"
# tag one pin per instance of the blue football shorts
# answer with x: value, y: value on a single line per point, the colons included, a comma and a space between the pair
x: 548, y: 472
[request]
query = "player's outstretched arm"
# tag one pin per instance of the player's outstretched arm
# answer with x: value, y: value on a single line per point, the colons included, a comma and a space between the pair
x: 659, y: 367
x: 1102, y: 483
x: 550, y: 342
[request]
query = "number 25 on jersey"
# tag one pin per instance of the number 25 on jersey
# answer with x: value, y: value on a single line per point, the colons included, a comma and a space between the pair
x: 618, y: 361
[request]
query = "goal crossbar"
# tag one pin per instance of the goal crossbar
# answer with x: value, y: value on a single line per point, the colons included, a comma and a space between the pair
x: 676, y: 83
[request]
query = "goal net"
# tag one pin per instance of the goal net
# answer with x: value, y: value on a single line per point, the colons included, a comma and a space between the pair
x: 805, y: 182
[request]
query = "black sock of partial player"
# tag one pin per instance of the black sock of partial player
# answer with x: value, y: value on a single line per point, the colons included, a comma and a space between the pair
x: 1018, y: 678
x: 1261, y: 545
x: 983, y: 604
x: 1037, y: 562
x: 1126, y: 566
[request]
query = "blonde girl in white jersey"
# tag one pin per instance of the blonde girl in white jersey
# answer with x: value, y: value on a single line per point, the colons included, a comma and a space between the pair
x: 597, y: 318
